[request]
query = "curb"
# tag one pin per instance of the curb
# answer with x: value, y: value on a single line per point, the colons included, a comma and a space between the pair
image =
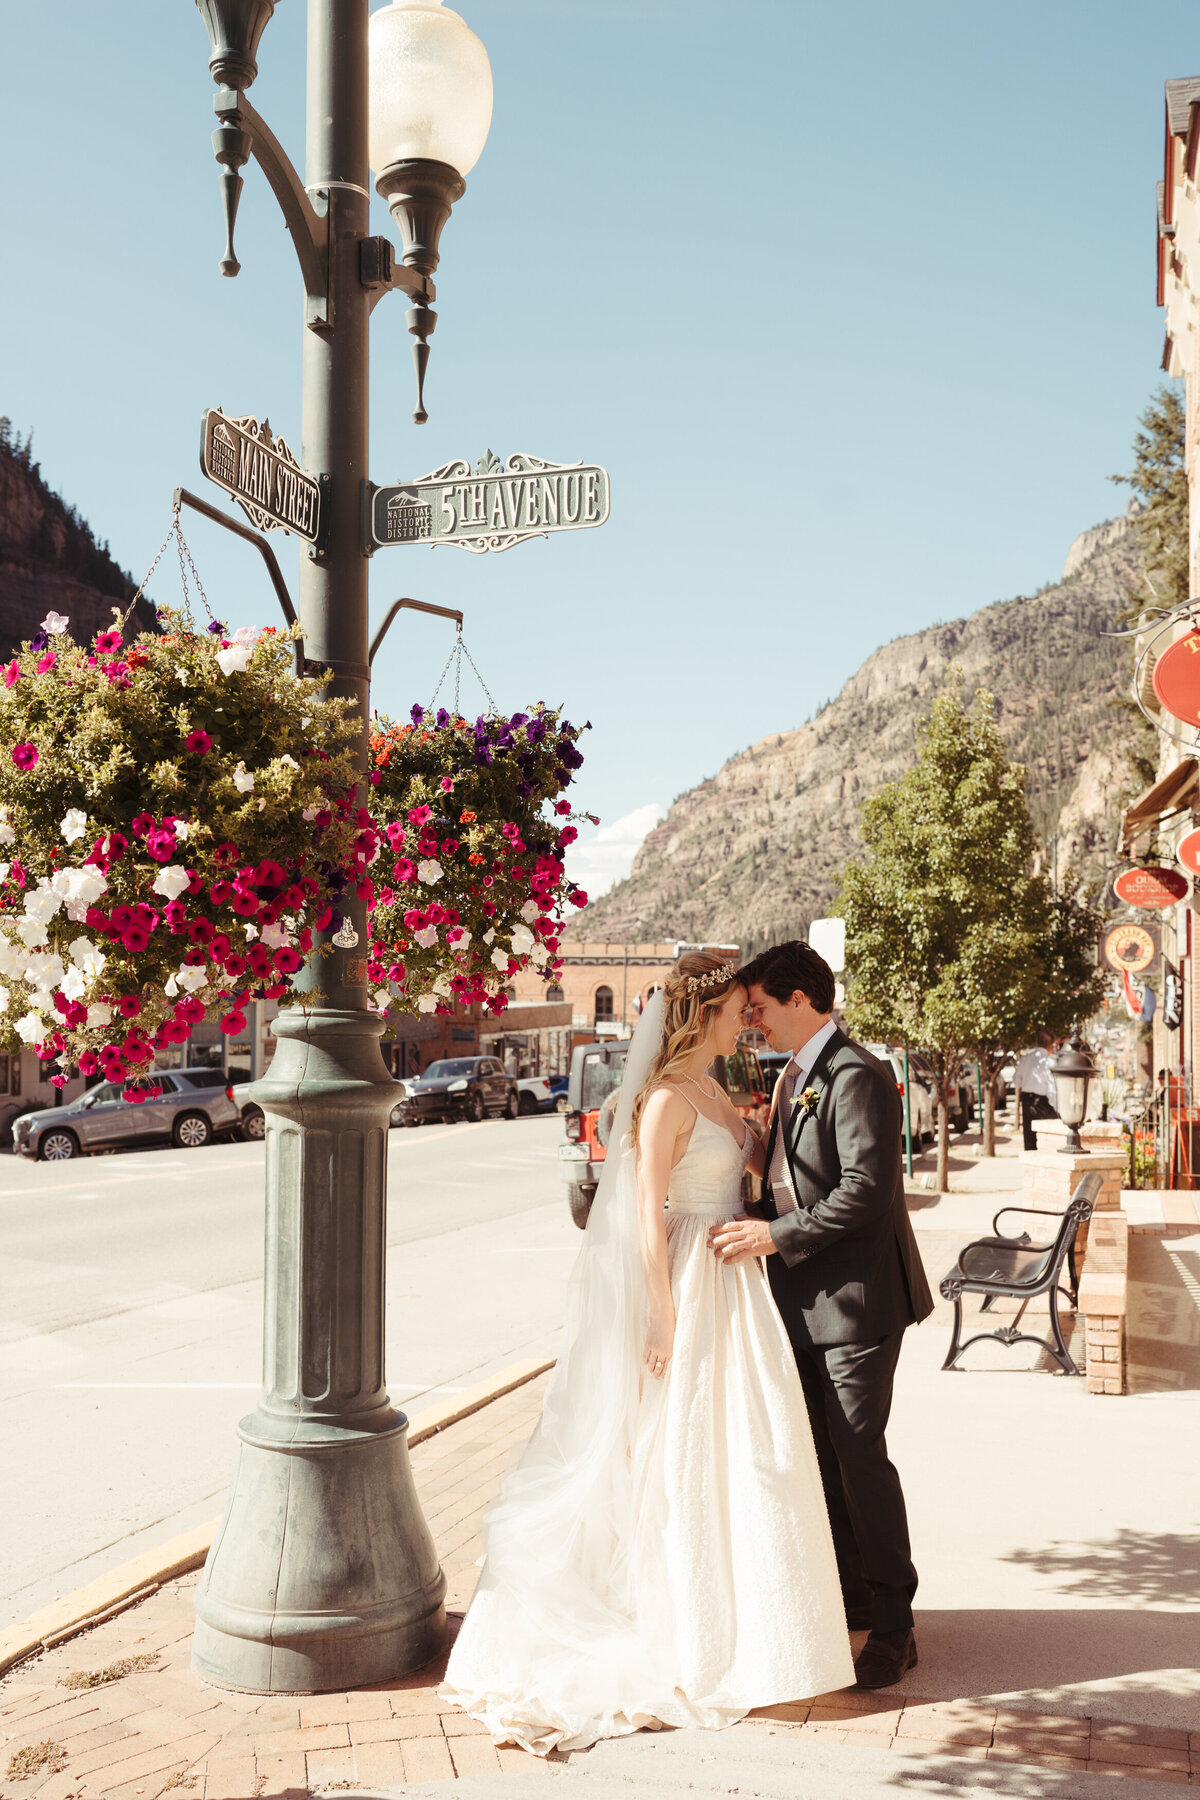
x: 134, y: 1581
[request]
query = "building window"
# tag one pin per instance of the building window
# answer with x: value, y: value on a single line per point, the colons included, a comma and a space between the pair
x: 555, y: 993
x: 604, y: 1003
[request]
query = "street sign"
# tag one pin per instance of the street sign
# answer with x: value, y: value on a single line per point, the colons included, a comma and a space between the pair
x: 1130, y: 947
x: 1177, y: 678
x: 490, y: 507
x: 261, y: 472
x: 1151, y: 887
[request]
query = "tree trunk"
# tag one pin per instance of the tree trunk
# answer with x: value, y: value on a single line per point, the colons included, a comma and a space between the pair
x: 943, y: 1146
x: 989, y: 1117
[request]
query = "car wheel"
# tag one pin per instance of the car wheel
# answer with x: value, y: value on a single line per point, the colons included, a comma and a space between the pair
x: 410, y: 1119
x: 475, y: 1109
x: 254, y: 1125
x: 192, y: 1132
x: 58, y: 1146
x: 512, y: 1106
x: 527, y: 1104
x: 580, y: 1202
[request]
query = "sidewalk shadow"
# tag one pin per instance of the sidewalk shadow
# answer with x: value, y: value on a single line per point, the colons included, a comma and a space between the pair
x: 1145, y: 1567
x: 1163, y: 1322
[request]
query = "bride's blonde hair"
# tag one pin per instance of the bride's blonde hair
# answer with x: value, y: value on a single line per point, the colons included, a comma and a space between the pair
x: 694, y: 989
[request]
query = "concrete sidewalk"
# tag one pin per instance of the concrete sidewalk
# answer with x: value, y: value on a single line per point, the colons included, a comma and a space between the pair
x: 1058, y: 1619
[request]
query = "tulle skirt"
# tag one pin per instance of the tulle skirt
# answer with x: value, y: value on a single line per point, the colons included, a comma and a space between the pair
x: 715, y: 1589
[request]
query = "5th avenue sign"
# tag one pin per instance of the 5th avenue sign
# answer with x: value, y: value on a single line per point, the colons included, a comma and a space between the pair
x: 490, y: 507
x: 262, y: 474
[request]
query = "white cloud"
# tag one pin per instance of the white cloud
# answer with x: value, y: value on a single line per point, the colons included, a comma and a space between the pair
x: 604, y: 855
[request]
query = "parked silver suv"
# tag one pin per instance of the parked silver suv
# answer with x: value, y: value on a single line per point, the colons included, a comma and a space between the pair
x: 186, y: 1107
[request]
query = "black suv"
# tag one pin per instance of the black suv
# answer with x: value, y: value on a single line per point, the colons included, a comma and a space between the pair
x: 461, y: 1087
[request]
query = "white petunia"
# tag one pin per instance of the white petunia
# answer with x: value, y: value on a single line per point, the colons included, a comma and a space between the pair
x: 74, y: 825
x: 99, y: 1013
x: 426, y: 937
x: 429, y: 871
x: 12, y: 959
x: 170, y: 987
x: 73, y: 986
x: 191, y: 977
x: 251, y: 930
x: 235, y: 660
x: 289, y: 760
x: 262, y: 806
x: 243, y: 780
x: 305, y: 723
x: 41, y: 903
x: 500, y: 960
x: 171, y: 881
x: 382, y: 998
x: 7, y: 834
x: 463, y: 939
x: 539, y: 955
x: 522, y: 940
x: 45, y: 972
x: 247, y: 634
x: 277, y: 936
x: 55, y: 623
x: 80, y: 888
x: 529, y: 911
x: 31, y: 1029
x: 32, y: 932
x: 489, y: 936
x: 427, y: 1003
x: 180, y: 829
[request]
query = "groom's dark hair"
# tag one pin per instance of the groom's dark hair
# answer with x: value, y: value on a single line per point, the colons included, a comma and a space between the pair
x: 784, y: 968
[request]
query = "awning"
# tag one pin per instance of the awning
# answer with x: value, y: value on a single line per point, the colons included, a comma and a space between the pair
x: 1175, y: 793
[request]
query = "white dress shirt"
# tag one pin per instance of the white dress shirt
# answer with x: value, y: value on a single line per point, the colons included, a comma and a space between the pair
x: 791, y: 1082
x: 1034, y: 1074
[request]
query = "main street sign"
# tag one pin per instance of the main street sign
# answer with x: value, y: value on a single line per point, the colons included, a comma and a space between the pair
x: 490, y: 507
x: 261, y: 472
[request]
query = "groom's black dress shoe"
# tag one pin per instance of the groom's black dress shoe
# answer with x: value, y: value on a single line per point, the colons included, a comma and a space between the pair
x: 885, y: 1658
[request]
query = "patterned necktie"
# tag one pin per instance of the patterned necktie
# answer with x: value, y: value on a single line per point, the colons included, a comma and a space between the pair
x: 780, y: 1175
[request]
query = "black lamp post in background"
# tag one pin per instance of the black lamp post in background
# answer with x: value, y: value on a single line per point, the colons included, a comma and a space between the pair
x: 324, y: 1574
x: 1073, y: 1069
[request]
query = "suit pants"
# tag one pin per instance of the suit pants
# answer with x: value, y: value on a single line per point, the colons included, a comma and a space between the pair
x: 848, y: 1389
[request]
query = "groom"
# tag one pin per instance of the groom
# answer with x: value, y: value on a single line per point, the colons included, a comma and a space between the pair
x: 847, y: 1279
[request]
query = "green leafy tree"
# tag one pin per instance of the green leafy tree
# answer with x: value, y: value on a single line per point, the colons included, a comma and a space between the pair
x: 1159, y: 480
x: 954, y: 945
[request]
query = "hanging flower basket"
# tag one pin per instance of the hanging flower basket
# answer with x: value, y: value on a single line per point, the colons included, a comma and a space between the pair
x: 176, y: 815
x: 470, y: 885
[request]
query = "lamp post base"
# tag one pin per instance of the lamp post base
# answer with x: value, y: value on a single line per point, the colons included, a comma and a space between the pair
x: 323, y: 1575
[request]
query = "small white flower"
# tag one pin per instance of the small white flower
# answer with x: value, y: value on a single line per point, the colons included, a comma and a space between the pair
x: 539, y: 955
x: 86, y: 956
x: 55, y: 623
x: 74, y: 825
x: 427, y: 937
x: 247, y: 634
x: 243, y: 780
x: 251, y: 932
x: 79, y: 888
x: 171, y: 881
x: 500, y: 960
x: 382, y: 998
x: 180, y: 829
x: 310, y: 813
x: 522, y: 940
x: 262, y: 806
x: 529, y: 911
x: 191, y: 977
x: 31, y: 1029
x: 235, y: 660
x: 489, y: 936
x: 289, y: 760
x: 427, y: 1003
x: 41, y: 903
x: 73, y: 986
x: 429, y: 871
x: 305, y: 723
x: 277, y: 936
x: 170, y: 989
x: 7, y: 834
x: 31, y: 933
x: 99, y: 1013
x: 463, y: 939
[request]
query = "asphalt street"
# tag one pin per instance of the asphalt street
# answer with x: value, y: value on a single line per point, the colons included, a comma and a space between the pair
x: 131, y: 1321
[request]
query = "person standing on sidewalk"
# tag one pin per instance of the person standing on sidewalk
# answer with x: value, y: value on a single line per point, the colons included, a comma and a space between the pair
x: 847, y: 1278
x: 1034, y: 1082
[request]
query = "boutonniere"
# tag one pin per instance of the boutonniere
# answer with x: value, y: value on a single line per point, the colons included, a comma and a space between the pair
x: 807, y: 1101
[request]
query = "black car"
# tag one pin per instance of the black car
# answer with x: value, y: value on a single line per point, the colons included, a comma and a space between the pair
x: 460, y: 1087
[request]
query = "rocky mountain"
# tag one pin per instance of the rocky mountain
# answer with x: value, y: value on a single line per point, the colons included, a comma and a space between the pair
x: 751, y: 855
x: 49, y: 557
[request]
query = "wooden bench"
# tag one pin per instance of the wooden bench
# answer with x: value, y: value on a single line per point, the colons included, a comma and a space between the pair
x: 1016, y: 1268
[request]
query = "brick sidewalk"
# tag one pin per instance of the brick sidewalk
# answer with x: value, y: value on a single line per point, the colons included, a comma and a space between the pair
x: 156, y: 1730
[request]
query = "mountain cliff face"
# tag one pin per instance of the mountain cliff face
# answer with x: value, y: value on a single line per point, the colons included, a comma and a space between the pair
x: 752, y: 855
x: 49, y: 558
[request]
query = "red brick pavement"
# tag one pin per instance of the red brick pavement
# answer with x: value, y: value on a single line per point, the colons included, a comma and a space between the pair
x: 161, y: 1732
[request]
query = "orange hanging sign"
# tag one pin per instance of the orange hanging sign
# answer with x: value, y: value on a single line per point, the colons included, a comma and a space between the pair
x: 1188, y: 851
x: 1177, y: 678
x: 1150, y: 887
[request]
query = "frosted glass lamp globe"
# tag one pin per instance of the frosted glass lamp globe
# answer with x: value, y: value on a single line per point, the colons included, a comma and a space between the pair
x: 430, y: 87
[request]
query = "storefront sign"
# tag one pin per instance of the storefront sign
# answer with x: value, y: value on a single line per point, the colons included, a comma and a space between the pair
x: 262, y: 474
x: 490, y: 507
x: 1172, y: 1010
x: 1188, y: 851
x: 1130, y: 948
x: 1151, y: 887
x: 1177, y: 678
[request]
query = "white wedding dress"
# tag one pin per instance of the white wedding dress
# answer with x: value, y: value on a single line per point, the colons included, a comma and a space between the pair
x: 662, y: 1554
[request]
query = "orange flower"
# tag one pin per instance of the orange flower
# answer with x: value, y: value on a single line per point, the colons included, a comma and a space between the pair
x: 475, y: 857
x: 467, y: 818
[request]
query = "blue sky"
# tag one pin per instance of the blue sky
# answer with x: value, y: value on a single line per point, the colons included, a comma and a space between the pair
x: 855, y: 302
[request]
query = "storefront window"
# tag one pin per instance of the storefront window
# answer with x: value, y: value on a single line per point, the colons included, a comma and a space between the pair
x: 604, y: 1003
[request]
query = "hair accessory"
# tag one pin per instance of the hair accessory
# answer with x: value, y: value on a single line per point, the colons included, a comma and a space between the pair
x: 694, y: 984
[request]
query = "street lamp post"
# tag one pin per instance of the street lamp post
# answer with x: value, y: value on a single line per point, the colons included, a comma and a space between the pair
x: 324, y: 1574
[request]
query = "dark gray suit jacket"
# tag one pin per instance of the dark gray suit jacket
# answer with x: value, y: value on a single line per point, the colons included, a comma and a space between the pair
x: 848, y: 1269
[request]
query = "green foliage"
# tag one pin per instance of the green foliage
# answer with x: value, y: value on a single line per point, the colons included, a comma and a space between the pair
x: 954, y: 945
x: 1159, y: 480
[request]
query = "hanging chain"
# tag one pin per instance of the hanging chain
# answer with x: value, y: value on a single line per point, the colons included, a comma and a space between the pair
x: 463, y: 651
x: 185, y: 563
x: 437, y: 690
x: 457, y: 652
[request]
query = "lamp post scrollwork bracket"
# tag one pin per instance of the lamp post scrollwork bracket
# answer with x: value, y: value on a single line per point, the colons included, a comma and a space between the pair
x: 241, y: 133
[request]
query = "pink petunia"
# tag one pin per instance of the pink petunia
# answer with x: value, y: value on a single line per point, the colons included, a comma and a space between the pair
x: 12, y: 673
x: 25, y: 755
x: 46, y: 663
x: 198, y: 743
x: 129, y: 1006
x: 447, y: 784
x: 107, y: 642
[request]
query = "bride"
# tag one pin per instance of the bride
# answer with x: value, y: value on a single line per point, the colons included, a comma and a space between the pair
x: 661, y: 1555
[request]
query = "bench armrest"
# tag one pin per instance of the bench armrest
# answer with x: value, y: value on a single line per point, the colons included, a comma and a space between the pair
x: 1037, y: 1212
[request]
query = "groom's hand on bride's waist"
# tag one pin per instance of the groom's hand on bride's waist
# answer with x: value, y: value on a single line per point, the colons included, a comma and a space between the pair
x: 736, y: 1240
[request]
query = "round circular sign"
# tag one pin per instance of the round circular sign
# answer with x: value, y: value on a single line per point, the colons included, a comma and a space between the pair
x: 1177, y: 678
x: 1129, y: 947
x: 1150, y: 887
x: 1188, y: 851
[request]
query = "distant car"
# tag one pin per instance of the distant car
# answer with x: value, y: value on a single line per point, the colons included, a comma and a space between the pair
x: 596, y: 1071
x: 461, y: 1087
x: 407, y: 1082
x: 534, y: 1094
x: 558, y: 1087
x: 922, y: 1112
x: 184, y: 1107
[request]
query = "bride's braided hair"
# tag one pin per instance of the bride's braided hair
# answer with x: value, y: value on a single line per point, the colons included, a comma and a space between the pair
x: 696, y: 986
